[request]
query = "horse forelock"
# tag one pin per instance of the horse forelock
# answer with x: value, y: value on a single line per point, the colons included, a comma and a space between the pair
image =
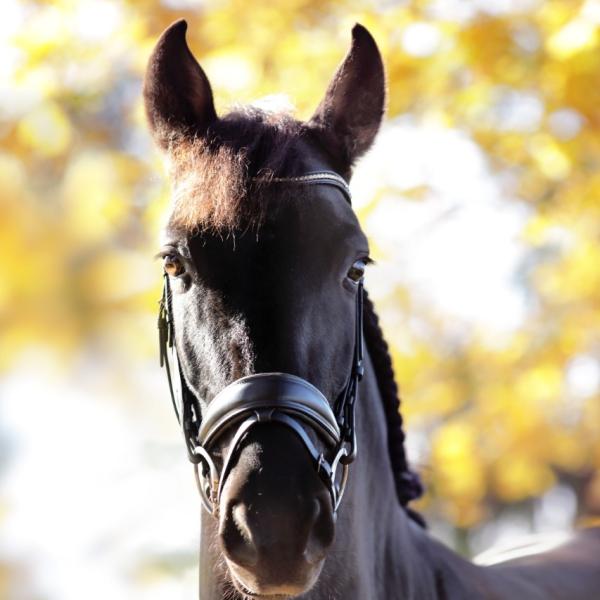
x: 216, y: 178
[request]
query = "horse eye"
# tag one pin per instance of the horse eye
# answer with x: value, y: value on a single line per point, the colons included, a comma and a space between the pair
x: 173, y: 265
x: 357, y: 271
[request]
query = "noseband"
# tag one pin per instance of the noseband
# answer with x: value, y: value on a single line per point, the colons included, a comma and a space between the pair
x: 278, y: 398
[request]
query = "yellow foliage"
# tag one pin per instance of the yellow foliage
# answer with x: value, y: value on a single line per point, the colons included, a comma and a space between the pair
x: 113, y: 277
x: 517, y: 477
x: 46, y: 130
x: 576, y: 36
x: 457, y: 463
x: 568, y: 452
x: 464, y: 514
x: 95, y: 196
x: 541, y: 385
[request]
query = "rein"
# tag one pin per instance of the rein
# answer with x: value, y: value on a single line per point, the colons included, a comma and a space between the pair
x: 279, y: 398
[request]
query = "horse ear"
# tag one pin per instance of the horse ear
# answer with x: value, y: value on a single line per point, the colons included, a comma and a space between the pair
x: 351, y: 111
x: 177, y: 93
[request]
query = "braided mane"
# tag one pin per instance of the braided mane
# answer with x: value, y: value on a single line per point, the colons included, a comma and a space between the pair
x: 408, y: 483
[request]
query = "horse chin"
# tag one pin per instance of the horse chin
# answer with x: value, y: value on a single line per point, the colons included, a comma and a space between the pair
x: 253, y: 587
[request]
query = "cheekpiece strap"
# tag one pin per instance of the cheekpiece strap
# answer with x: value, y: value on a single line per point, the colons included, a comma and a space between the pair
x: 185, y: 404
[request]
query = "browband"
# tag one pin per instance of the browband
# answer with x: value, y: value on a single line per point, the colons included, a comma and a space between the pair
x: 314, y: 178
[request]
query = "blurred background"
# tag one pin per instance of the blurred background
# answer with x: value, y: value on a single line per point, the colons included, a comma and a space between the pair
x: 481, y: 200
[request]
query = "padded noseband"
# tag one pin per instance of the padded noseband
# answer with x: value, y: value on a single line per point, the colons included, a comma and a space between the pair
x: 270, y: 398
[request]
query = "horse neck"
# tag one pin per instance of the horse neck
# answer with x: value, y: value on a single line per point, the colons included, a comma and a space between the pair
x: 395, y: 557
x: 376, y: 553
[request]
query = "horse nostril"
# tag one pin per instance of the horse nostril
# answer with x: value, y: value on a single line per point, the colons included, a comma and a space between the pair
x: 236, y: 536
x: 322, y: 530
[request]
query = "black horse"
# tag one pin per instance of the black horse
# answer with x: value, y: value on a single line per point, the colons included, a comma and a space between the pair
x: 264, y: 260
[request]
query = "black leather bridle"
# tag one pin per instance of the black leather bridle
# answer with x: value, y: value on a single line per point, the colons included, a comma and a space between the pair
x: 266, y: 398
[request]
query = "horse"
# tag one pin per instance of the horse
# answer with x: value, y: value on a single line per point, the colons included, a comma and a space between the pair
x: 277, y: 365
